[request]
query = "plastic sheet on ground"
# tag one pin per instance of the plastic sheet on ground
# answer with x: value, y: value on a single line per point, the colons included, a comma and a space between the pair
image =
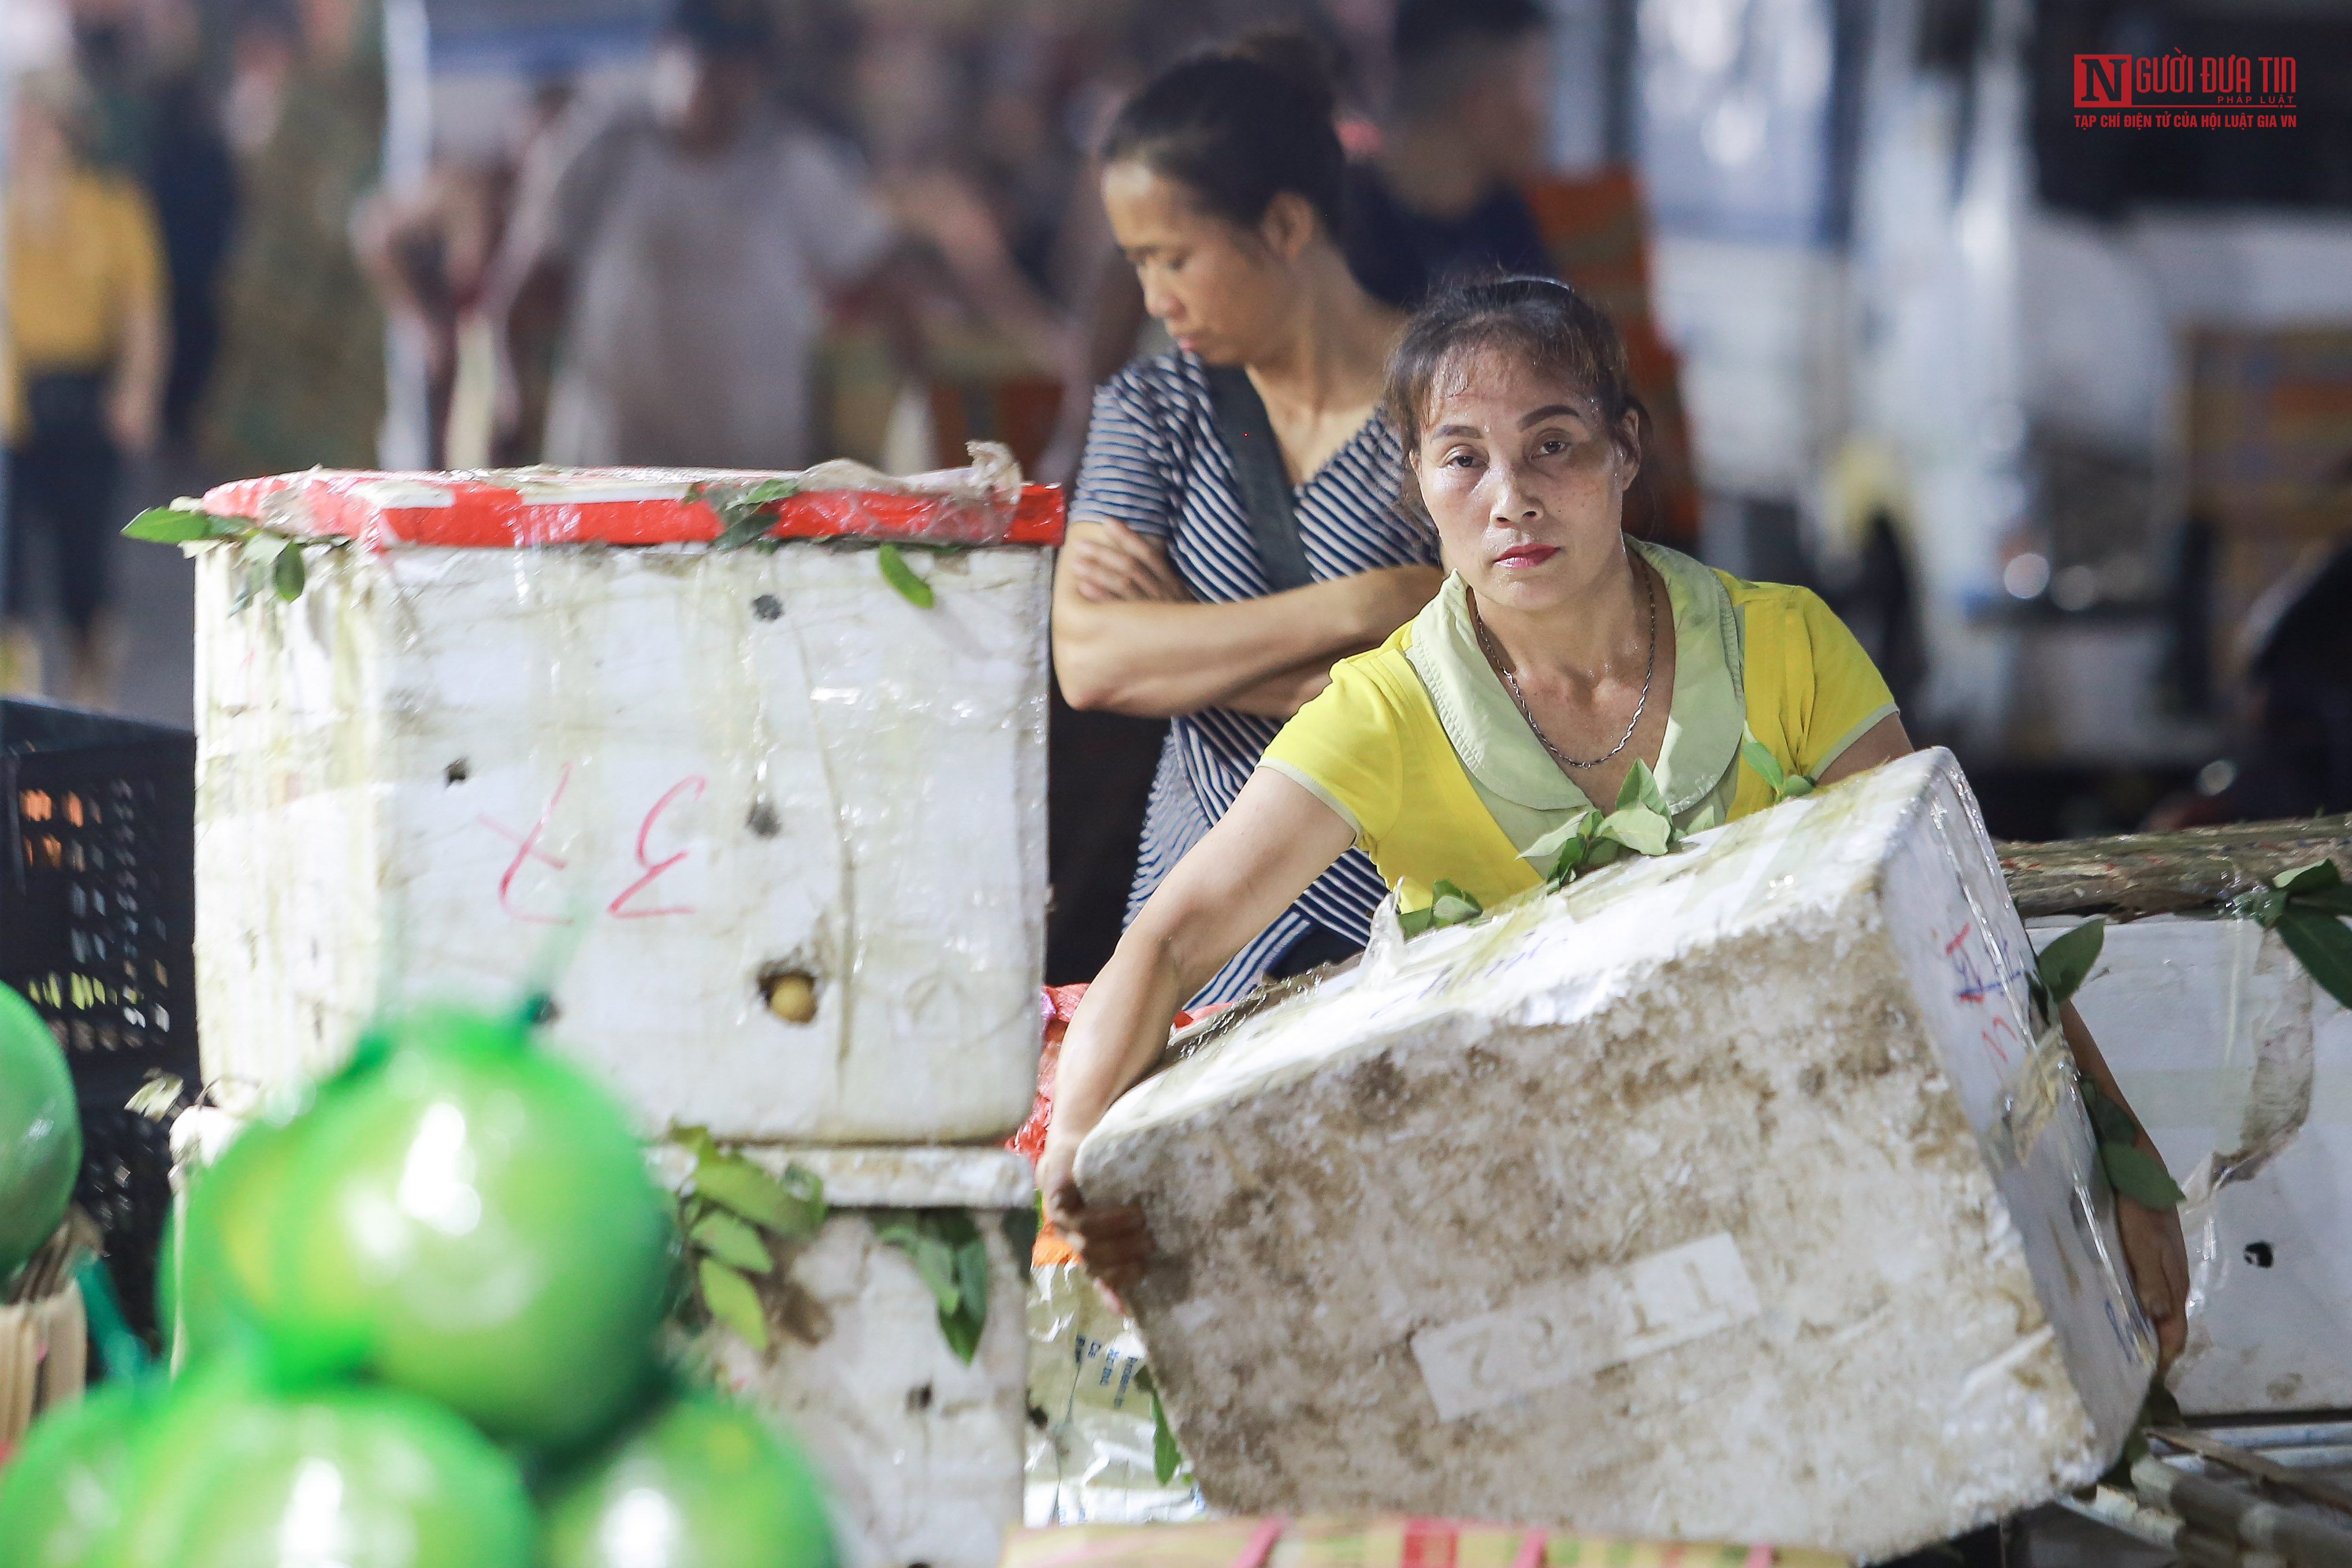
x: 1091, y: 1431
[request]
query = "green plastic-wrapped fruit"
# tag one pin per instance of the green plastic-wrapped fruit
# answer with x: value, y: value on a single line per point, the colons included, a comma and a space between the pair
x: 699, y: 1483
x: 471, y: 1219
x: 65, y: 1488
x: 40, y: 1132
x: 223, y: 1272
x: 231, y: 1474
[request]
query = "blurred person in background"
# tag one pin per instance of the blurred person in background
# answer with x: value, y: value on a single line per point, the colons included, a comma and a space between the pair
x: 300, y: 376
x: 699, y: 234
x: 1235, y: 527
x: 1469, y: 125
x: 87, y: 351
x: 190, y: 178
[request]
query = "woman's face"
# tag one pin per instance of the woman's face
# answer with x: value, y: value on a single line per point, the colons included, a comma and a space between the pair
x: 1525, y: 485
x: 1222, y: 290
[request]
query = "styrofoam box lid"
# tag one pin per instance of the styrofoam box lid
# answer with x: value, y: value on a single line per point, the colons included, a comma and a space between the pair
x: 513, y: 508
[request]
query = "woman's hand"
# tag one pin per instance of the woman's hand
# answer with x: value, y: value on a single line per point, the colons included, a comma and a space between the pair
x: 1111, y: 563
x: 1111, y: 1242
x: 2158, y: 1259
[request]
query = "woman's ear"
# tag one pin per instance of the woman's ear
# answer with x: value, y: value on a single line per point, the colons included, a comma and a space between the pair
x: 1289, y: 224
x: 1629, y: 449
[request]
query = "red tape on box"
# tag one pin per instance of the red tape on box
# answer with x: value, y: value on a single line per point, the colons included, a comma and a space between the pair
x: 612, y: 507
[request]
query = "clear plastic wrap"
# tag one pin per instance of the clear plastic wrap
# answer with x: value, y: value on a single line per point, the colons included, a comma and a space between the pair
x: 2240, y: 1069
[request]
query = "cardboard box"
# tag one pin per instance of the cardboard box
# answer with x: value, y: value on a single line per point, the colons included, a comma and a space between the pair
x: 1725, y: 1195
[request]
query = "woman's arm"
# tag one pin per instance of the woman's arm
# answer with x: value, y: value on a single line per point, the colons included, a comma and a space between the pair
x: 135, y: 406
x: 1274, y: 839
x: 1145, y: 653
x: 1882, y: 742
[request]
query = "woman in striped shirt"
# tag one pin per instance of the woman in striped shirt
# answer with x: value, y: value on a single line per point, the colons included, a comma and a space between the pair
x: 1177, y: 597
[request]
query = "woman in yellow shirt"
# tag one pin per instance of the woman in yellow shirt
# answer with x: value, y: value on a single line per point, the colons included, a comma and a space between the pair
x: 84, y: 383
x: 1558, y: 654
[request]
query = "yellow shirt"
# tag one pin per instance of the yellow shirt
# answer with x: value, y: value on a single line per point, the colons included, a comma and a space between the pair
x: 1417, y: 746
x: 74, y: 278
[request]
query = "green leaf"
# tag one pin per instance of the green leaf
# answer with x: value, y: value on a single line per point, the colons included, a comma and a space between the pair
x: 1759, y: 756
x: 952, y: 1259
x: 733, y: 1301
x: 1786, y: 786
x: 2110, y: 1121
x: 1021, y: 1228
x: 2138, y: 1177
x: 1167, y: 1459
x: 2066, y: 962
x: 2315, y: 877
x: 734, y: 1182
x: 1560, y: 854
x: 2324, y: 943
x: 731, y: 1241
x: 1413, y: 923
x: 972, y: 1275
x: 1641, y: 788
x: 1450, y: 906
x: 901, y: 576
x: 2261, y: 905
x: 2336, y: 900
x: 1640, y: 829
x: 183, y: 525
x: 287, y: 574
x: 742, y: 515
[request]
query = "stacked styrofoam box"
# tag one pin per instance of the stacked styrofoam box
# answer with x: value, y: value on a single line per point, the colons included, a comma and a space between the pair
x: 660, y: 776
x: 2241, y: 1067
x: 1725, y: 1195
x: 676, y: 771
x: 924, y: 1452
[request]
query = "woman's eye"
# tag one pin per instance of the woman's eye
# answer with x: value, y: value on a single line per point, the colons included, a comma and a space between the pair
x: 1552, y: 446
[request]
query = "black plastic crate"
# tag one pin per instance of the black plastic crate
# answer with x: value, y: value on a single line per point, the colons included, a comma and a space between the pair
x: 98, y: 931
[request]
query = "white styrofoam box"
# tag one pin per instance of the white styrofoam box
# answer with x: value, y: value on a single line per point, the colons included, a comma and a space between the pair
x: 923, y: 1453
x: 660, y: 774
x: 2241, y: 1069
x: 1725, y: 1195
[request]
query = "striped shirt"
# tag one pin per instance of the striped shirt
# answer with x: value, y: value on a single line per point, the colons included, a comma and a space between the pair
x: 1155, y: 463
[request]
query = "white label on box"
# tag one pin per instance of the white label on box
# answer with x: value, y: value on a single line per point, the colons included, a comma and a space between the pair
x: 1557, y: 1333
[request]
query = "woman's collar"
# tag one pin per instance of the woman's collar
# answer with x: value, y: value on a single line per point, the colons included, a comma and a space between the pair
x: 1498, y: 749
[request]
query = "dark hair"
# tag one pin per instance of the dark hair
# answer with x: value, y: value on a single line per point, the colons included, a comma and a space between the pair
x: 1240, y: 126
x: 1439, y: 44
x: 725, y: 26
x: 1561, y: 333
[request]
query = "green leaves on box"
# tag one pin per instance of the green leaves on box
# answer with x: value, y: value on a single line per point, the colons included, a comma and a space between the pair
x: 1589, y: 841
x: 949, y: 1254
x: 2307, y: 906
x: 746, y: 511
x: 184, y: 522
x: 268, y: 563
x: 730, y: 1210
x: 901, y: 576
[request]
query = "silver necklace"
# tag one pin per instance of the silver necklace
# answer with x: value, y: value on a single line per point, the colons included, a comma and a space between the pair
x: 1510, y: 683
